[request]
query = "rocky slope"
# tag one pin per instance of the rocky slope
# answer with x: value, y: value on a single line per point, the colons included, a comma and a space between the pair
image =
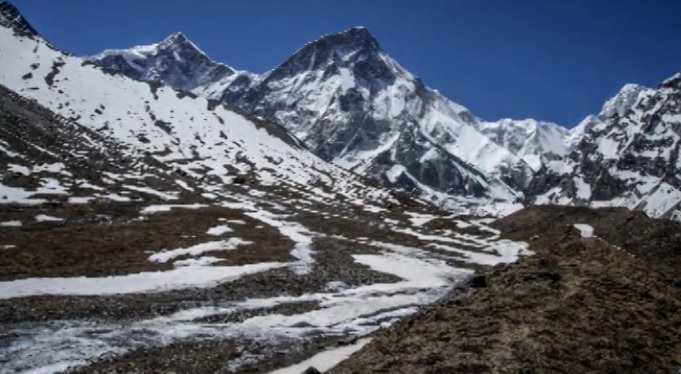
x: 580, y: 305
x: 627, y: 156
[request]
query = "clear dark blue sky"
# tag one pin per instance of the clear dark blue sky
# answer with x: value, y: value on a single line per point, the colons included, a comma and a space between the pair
x: 555, y: 60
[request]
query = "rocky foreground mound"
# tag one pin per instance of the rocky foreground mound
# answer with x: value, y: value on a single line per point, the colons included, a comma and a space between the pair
x: 603, y: 304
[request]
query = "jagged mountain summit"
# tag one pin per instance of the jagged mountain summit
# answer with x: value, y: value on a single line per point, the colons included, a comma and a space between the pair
x: 175, y: 61
x: 536, y: 142
x: 618, y: 105
x: 352, y: 104
x: 628, y: 155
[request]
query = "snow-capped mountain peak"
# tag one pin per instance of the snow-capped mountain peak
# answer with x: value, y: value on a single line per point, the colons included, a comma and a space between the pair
x: 354, y: 49
x: 618, y: 105
x: 358, y: 36
x: 534, y: 141
x: 11, y: 18
x: 176, y: 38
x: 673, y: 82
x: 623, y: 100
x: 191, y: 135
x: 627, y: 155
x: 353, y: 104
x: 175, y: 60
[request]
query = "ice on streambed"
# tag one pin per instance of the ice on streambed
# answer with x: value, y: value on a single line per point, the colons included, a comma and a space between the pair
x: 178, y: 278
x: 294, y: 231
x: 343, y: 309
x: 324, y: 360
x: 358, y: 310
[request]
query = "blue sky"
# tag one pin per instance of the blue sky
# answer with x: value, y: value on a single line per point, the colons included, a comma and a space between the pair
x: 556, y: 60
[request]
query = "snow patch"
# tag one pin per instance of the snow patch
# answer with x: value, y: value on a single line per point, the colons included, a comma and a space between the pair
x: 222, y: 245
x: 587, y: 231
x: 178, y: 278
x: 324, y: 360
x: 46, y: 218
x: 219, y: 230
x: 151, y: 209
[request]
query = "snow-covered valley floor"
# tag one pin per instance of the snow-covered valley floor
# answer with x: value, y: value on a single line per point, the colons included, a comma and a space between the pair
x: 330, y: 285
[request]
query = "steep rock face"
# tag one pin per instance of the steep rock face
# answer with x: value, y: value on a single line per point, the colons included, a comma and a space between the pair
x: 175, y: 61
x: 11, y: 18
x: 619, y: 104
x: 628, y: 156
x: 536, y: 142
x: 354, y: 105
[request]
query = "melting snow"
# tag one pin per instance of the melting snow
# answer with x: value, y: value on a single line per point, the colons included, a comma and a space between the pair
x: 167, y: 207
x: 325, y: 360
x: 373, y: 208
x: 115, y: 197
x: 184, y: 185
x: 587, y: 231
x: 418, y: 219
x: 151, y: 191
x: 219, y: 230
x: 583, y: 188
x: 222, y: 245
x: 17, y: 195
x: 14, y: 168
x: 294, y: 231
x: 46, y: 218
x: 180, y: 277
x: 80, y: 200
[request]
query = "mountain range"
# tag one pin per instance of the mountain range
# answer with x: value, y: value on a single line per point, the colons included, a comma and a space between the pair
x: 353, y: 105
x: 163, y: 211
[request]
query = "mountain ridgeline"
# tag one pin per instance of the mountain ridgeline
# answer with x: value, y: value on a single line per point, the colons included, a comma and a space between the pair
x: 159, y: 209
x: 353, y: 105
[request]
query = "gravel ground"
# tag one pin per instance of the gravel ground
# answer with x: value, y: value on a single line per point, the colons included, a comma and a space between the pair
x: 577, y: 306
